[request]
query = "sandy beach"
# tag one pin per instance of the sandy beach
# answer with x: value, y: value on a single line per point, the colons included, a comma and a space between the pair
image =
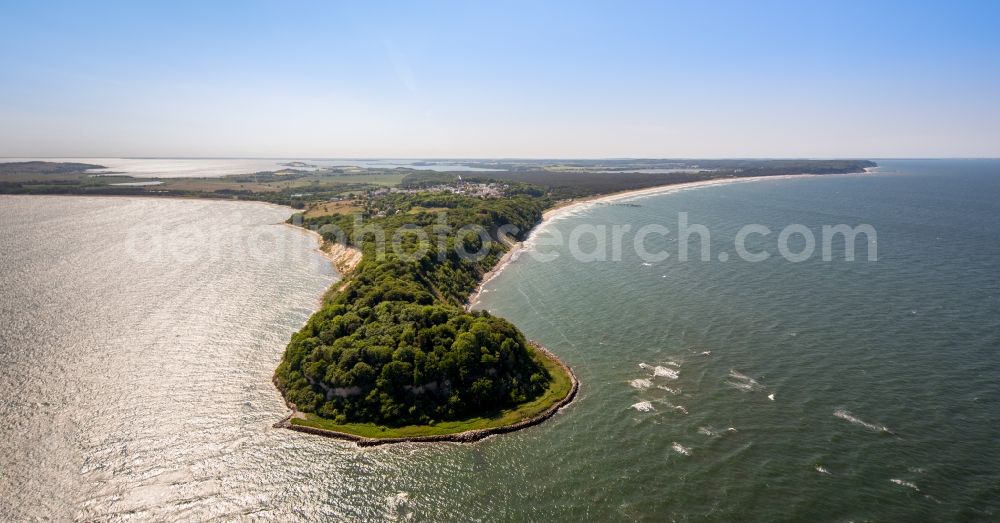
x: 569, y: 207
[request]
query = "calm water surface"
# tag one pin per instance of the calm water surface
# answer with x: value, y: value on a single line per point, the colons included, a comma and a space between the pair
x: 216, y: 167
x: 138, y: 337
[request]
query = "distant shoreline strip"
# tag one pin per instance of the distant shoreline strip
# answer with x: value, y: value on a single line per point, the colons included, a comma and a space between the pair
x: 570, y: 206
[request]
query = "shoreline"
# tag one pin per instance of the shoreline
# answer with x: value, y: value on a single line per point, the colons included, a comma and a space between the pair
x: 570, y: 205
x: 513, y: 253
x: 343, y: 257
x: 468, y: 436
x: 153, y: 197
x: 566, y: 207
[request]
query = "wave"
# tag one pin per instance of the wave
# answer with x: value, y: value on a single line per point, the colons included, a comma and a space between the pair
x: 709, y: 431
x: 665, y: 372
x: 681, y: 449
x: 738, y: 380
x: 641, y: 383
x: 821, y: 470
x: 643, y: 406
x: 733, y: 373
x: 905, y: 483
x: 660, y: 371
x: 396, y: 507
x: 746, y: 387
x: 668, y: 389
x: 680, y: 408
x: 847, y: 416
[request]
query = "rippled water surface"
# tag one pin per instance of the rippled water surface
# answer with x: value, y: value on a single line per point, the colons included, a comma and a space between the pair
x: 139, y: 337
x: 885, y: 375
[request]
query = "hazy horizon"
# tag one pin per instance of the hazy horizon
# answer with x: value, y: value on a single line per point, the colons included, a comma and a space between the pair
x: 502, y: 158
x: 517, y: 80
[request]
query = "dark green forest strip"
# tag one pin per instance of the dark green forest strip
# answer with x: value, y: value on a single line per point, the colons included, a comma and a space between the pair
x: 394, y: 346
x: 560, y: 393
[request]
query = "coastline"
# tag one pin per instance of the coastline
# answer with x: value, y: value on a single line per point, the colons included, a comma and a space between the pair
x: 571, y: 205
x: 567, y: 207
x: 340, y: 254
x: 513, y: 250
x: 343, y: 257
x: 468, y: 436
x: 150, y: 196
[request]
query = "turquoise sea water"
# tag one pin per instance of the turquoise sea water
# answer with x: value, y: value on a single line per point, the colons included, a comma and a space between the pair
x: 137, y: 350
x: 910, y: 342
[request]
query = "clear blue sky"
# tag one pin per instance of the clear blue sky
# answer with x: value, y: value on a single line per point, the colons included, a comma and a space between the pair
x: 490, y: 79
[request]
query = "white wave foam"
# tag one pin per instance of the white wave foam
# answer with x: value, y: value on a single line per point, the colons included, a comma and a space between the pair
x: 709, y: 431
x: 706, y: 353
x: 847, y: 416
x: 396, y: 507
x: 641, y: 383
x: 647, y: 264
x: 733, y: 373
x: 821, y: 470
x: 643, y: 406
x: 738, y: 380
x: 681, y: 449
x: 905, y: 483
x: 680, y: 408
x: 770, y: 397
x: 668, y: 389
x: 672, y: 363
x: 661, y: 371
x: 746, y: 387
x: 665, y: 372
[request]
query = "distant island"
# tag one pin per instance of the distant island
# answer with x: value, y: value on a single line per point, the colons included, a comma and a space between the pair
x: 393, y: 354
x: 298, y: 165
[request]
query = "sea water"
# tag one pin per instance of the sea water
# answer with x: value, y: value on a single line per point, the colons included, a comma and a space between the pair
x: 138, y: 338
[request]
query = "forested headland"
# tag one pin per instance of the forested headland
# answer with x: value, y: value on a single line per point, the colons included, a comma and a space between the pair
x: 393, y: 345
x: 396, y: 346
